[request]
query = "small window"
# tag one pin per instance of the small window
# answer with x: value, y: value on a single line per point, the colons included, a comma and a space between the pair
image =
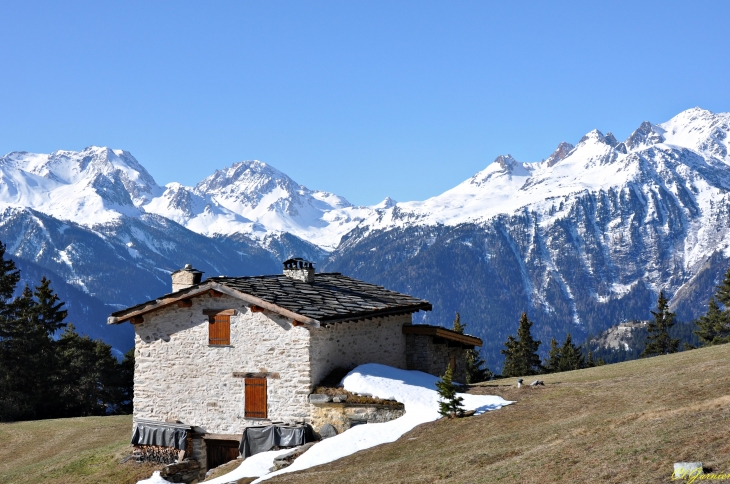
x: 219, y: 329
x: 255, y: 398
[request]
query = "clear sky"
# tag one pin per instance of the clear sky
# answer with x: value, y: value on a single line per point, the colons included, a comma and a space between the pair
x: 365, y: 99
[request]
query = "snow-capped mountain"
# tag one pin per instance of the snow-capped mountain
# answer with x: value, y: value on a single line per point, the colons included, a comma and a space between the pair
x: 254, y: 198
x: 93, y: 186
x: 581, y: 240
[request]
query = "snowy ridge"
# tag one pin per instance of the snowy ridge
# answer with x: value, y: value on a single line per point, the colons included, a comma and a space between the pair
x: 100, y: 185
x: 694, y: 137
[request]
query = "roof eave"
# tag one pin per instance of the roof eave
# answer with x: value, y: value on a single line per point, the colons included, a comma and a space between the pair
x: 426, y: 306
x: 124, y: 315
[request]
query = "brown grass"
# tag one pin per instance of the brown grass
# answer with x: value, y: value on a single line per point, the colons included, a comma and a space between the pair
x: 73, y: 450
x: 613, y: 424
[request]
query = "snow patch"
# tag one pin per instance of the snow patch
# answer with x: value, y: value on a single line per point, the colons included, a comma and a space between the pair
x: 415, y: 389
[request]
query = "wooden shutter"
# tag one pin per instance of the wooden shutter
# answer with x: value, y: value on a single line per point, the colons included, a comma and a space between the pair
x: 255, y: 398
x: 219, y: 329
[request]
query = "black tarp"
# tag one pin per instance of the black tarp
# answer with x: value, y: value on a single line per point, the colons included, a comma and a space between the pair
x: 264, y: 438
x: 162, y: 434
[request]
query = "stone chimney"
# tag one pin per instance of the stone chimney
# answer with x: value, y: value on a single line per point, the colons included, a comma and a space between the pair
x: 185, y: 277
x: 299, y: 269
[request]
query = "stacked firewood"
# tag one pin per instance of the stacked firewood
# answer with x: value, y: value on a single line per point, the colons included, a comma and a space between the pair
x: 155, y: 453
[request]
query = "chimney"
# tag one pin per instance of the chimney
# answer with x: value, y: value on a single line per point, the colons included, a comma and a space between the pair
x: 299, y: 269
x: 185, y: 277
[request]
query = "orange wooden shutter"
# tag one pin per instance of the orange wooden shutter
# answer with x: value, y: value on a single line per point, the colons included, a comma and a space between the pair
x: 255, y: 403
x: 219, y: 330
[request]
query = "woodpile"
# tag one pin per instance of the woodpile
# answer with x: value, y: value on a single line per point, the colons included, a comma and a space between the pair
x: 155, y: 453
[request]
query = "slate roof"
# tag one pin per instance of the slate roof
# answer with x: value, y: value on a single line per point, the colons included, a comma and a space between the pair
x: 331, y: 297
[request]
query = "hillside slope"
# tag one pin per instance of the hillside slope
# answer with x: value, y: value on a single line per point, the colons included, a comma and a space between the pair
x: 627, y: 422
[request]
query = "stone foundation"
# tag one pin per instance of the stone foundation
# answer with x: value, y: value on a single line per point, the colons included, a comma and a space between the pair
x: 342, y: 416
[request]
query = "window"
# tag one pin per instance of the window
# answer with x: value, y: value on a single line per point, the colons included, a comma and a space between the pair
x: 219, y: 329
x: 255, y: 398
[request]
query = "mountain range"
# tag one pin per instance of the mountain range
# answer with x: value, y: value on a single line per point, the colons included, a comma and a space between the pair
x: 581, y: 240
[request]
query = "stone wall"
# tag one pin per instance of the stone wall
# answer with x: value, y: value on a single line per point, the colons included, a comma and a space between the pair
x: 424, y: 355
x: 347, y: 345
x: 179, y: 376
x: 342, y: 415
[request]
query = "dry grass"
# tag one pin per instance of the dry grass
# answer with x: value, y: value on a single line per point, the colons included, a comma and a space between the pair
x: 74, y: 450
x: 615, y: 424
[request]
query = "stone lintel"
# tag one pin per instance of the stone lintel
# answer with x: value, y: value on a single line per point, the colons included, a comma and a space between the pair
x: 256, y: 374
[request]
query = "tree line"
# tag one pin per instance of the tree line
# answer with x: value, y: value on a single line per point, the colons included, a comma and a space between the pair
x: 48, y: 370
x: 521, y: 351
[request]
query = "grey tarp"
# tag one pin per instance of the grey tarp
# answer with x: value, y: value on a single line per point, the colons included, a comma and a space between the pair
x: 262, y: 439
x: 160, y: 433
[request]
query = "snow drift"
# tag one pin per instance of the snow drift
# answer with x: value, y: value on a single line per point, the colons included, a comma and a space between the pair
x: 415, y: 389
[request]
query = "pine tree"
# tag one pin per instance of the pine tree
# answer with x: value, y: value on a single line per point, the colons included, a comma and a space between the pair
x: 521, y: 356
x: 658, y: 341
x: 590, y: 362
x: 50, y: 315
x: 553, y: 360
x: 476, y: 371
x: 722, y: 292
x: 45, y: 377
x: 9, y: 278
x: 571, y: 358
x: 712, y: 328
x: 450, y: 404
x: 458, y: 327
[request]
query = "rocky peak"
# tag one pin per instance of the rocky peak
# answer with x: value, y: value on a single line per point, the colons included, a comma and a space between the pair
x: 386, y: 203
x: 560, y: 153
x: 645, y: 135
x: 506, y: 162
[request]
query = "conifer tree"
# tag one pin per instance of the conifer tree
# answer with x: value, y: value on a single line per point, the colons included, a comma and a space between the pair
x: 450, y: 404
x: 458, y: 327
x: 571, y: 357
x: 476, y: 371
x: 722, y: 292
x: 553, y: 360
x: 658, y: 341
x: 44, y: 377
x: 590, y: 362
x: 712, y: 328
x: 520, y: 354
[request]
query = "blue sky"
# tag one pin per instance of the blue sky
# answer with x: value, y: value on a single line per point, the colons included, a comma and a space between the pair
x: 364, y: 99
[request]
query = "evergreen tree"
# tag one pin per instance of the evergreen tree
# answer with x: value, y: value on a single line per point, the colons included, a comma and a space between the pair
x: 476, y: 371
x: 553, y: 360
x: 89, y: 382
x: 658, y: 340
x: 571, y: 358
x: 450, y: 404
x: 45, y: 377
x: 458, y: 327
x: 520, y: 354
x: 590, y: 362
x: 48, y: 310
x: 722, y: 292
x: 712, y: 328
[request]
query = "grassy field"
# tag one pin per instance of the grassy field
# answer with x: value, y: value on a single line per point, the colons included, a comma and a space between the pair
x: 65, y: 451
x: 620, y: 423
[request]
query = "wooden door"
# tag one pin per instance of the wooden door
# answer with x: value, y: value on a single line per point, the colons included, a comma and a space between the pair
x: 221, y: 451
x: 255, y: 398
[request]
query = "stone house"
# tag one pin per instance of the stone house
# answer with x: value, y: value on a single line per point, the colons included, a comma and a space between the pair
x: 230, y: 352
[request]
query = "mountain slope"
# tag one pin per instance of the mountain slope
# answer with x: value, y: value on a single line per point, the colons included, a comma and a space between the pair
x: 580, y: 242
